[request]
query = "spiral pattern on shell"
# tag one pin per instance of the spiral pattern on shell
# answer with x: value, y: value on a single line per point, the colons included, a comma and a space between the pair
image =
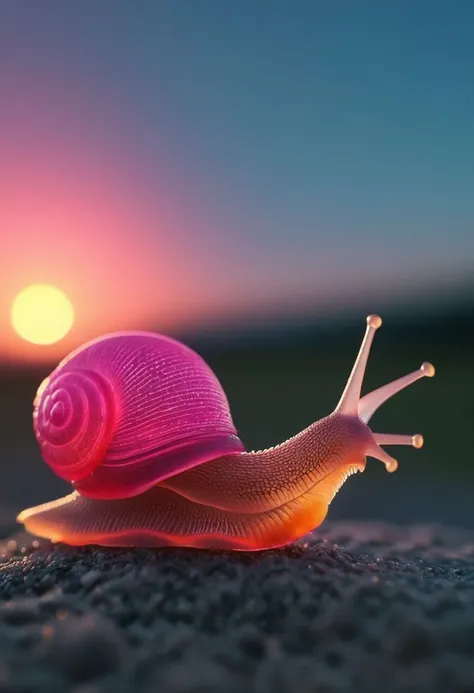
x: 74, y: 420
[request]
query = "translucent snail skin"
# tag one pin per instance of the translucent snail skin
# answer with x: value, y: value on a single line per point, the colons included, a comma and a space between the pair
x: 141, y: 427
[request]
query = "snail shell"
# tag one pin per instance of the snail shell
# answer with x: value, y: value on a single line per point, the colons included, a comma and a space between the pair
x: 128, y: 410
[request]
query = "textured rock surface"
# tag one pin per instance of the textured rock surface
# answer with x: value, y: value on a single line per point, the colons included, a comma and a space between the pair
x: 359, y: 607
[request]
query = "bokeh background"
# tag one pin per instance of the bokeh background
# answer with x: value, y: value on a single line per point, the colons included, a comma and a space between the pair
x: 253, y: 178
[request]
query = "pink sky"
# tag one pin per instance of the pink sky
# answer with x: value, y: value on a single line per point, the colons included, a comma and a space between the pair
x: 164, y: 178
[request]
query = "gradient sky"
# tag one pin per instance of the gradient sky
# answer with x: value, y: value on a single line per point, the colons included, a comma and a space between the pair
x: 173, y: 163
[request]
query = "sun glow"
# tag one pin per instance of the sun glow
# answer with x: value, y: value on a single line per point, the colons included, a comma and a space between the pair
x: 42, y: 314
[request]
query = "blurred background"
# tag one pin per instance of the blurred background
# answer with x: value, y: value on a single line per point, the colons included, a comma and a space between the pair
x: 253, y: 178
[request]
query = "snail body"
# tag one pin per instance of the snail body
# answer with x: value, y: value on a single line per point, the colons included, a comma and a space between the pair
x: 141, y: 427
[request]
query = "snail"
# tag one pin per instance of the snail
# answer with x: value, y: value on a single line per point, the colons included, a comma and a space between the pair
x: 141, y: 427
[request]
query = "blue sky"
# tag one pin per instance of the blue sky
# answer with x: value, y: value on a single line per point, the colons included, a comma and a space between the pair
x: 318, y: 150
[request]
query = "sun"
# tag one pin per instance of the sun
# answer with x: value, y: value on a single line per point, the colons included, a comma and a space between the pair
x: 42, y: 314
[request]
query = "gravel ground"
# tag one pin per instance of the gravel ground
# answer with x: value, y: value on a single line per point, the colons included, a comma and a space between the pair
x: 357, y: 608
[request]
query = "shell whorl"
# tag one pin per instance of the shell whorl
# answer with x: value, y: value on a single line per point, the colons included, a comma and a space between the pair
x: 74, y: 420
x: 127, y: 410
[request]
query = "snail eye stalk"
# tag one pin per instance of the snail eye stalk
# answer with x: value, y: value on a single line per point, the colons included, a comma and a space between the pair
x: 369, y: 404
x: 349, y: 402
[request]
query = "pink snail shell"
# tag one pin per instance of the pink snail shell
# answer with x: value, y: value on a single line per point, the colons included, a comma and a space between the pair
x: 128, y: 410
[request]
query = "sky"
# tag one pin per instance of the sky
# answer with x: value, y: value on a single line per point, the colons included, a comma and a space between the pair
x: 172, y: 164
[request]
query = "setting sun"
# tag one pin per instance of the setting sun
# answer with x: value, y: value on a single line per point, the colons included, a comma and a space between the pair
x: 42, y: 314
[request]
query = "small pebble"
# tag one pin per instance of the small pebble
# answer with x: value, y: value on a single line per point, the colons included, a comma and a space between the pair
x: 91, y: 578
x: 84, y: 648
